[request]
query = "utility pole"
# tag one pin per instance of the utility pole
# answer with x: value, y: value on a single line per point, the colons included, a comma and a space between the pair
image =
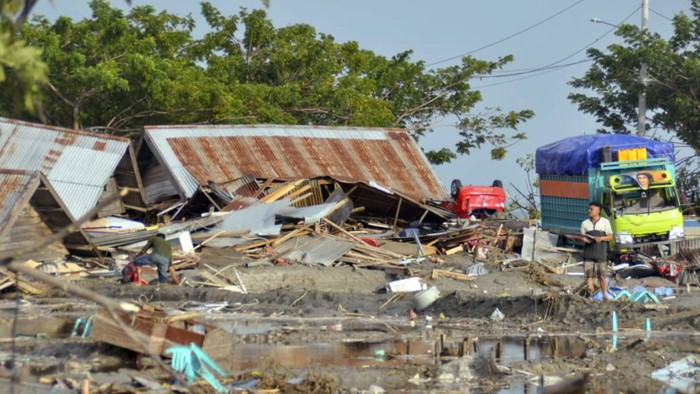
x: 642, y: 115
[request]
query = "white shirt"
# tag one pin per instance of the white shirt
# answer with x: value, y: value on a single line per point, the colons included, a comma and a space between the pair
x: 602, y: 224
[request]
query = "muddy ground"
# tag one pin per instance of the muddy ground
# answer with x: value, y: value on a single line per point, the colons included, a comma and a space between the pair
x: 337, y: 331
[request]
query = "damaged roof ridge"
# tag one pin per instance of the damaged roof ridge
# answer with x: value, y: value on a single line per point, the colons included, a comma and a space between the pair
x: 63, y: 129
x: 280, y: 126
x: 11, y: 171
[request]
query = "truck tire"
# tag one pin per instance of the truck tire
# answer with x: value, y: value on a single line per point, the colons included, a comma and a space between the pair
x: 497, y: 183
x: 454, y: 189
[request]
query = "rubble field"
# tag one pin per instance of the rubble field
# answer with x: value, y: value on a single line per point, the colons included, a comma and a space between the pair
x: 299, y: 305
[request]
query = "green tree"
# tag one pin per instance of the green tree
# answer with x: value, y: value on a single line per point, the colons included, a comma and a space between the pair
x: 117, y: 71
x: 21, y: 67
x: 672, y: 86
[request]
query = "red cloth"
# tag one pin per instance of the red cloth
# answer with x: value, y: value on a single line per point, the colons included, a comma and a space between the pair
x: 131, y: 270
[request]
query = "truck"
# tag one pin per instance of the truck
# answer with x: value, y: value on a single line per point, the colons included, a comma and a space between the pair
x: 632, y: 177
x: 480, y: 202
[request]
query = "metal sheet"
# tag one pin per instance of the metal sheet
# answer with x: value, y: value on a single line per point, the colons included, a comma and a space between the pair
x: 314, y: 250
x: 77, y: 164
x: 195, y: 154
x: 13, y: 188
x: 310, y: 214
x: 258, y: 219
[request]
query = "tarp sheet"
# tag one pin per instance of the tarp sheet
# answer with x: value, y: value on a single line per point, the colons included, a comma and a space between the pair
x: 575, y: 155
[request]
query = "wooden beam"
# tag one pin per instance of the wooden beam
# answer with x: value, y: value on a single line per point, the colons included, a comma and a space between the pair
x: 425, y: 213
x: 302, y: 198
x: 398, y: 208
x: 299, y: 191
x: 279, y: 193
x: 262, y: 187
x: 211, y: 200
x: 291, y: 234
x: 449, y: 274
x: 135, y: 208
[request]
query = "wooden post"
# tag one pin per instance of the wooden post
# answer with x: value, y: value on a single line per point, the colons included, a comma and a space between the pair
x: 466, y: 348
x: 398, y: 208
x: 494, y: 241
x: 499, y: 350
x: 425, y: 213
x: 526, y: 349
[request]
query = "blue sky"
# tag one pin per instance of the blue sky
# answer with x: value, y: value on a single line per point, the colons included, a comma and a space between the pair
x: 442, y: 29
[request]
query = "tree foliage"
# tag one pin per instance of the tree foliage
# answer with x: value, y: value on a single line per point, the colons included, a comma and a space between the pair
x: 21, y: 67
x: 117, y: 71
x: 672, y: 87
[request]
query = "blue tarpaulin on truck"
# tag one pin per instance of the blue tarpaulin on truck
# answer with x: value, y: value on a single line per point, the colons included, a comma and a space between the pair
x: 575, y: 155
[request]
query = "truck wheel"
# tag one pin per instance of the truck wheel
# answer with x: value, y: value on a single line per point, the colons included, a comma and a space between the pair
x: 497, y: 183
x: 454, y: 189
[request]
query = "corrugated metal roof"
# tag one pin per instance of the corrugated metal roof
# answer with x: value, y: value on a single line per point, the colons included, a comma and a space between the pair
x: 196, y: 154
x: 76, y: 164
x: 13, y: 188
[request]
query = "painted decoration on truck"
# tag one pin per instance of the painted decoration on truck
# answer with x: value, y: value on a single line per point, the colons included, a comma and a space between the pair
x: 639, y: 179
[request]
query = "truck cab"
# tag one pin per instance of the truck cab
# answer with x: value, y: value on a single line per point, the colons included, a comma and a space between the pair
x: 641, y: 202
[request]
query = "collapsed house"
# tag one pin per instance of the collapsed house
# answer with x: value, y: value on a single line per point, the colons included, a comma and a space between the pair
x: 30, y: 211
x: 80, y: 170
x: 384, y: 169
x: 83, y: 168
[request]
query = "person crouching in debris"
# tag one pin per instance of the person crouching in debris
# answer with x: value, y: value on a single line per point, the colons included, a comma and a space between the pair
x: 160, y: 257
x: 595, y: 251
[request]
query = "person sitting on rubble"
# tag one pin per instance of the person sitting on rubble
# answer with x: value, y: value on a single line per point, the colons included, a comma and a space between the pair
x: 595, y: 251
x: 160, y: 257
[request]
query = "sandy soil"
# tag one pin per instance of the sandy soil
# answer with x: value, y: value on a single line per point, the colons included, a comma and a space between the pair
x: 300, y: 305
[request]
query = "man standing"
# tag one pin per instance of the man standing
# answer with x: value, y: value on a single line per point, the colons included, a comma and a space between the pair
x: 160, y: 257
x: 595, y: 250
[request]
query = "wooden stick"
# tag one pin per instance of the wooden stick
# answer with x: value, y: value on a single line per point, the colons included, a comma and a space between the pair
x: 498, y: 234
x: 298, y: 232
x: 398, y: 209
x: 240, y: 281
x: 449, y: 274
x: 299, y: 191
x: 262, y: 187
x: 342, y: 230
x: 207, y: 240
x: 279, y: 193
x: 301, y: 198
x: 251, y: 245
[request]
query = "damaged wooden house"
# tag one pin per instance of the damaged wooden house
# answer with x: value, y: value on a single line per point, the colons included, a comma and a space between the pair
x: 382, y: 171
x: 53, y: 176
x: 30, y: 211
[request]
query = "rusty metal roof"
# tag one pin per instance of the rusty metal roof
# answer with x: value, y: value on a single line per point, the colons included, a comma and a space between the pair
x: 77, y: 164
x: 14, y: 187
x: 195, y: 154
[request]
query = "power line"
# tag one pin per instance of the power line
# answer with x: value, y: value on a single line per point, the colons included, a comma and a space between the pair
x: 555, y: 65
x: 552, y: 66
x: 536, y: 74
x: 660, y: 14
x: 510, y: 36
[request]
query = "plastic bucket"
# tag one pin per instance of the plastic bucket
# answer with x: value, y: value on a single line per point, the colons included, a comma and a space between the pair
x: 425, y: 298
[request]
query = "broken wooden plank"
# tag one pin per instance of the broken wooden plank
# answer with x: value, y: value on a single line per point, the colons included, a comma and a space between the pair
x: 454, y: 250
x: 294, y: 233
x: 281, y: 191
x: 438, y: 273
